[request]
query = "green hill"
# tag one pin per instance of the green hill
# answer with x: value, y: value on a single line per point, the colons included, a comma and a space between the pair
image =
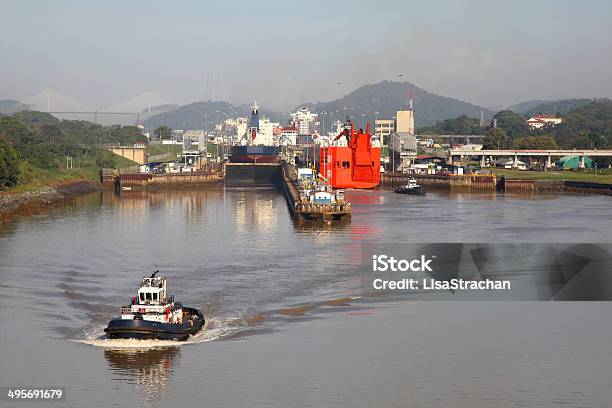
x: 388, y: 97
x: 560, y: 106
x: 194, y: 115
x: 8, y: 106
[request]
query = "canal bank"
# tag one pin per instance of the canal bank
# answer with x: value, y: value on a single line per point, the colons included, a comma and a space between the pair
x: 492, y: 182
x: 33, y: 202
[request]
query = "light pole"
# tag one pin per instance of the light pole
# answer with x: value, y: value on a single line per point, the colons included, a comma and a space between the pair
x: 323, y: 120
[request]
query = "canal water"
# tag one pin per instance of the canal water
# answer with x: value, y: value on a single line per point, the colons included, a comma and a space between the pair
x: 286, y: 325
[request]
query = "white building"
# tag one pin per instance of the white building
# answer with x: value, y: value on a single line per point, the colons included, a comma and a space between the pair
x: 540, y: 121
x: 384, y: 127
x: 265, y: 135
x: 288, y: 136
x: 304, y: 121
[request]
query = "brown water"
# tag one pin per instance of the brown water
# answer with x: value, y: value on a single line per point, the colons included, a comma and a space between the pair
x: 284, y: 325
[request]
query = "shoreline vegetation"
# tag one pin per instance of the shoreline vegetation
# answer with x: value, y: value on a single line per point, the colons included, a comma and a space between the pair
x: 45, y: 161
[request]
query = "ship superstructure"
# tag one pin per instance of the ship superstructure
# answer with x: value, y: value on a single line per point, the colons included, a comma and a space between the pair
x: 352, y: 160
x: 257, y: 142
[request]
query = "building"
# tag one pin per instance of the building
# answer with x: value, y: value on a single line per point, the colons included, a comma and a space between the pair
x: 405, y: 118
x: 304, y: 120
x: 540, y: 121
x: 288, y: 136
x: 574, y: 163
x: 403, y: 149
x: 512, y: 164
x: 383, y: 128
x: 405, y: 121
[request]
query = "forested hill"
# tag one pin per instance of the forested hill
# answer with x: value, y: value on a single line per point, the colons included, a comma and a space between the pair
x: 387, y: 97
x: 195, y: 115
x: 554, y: 107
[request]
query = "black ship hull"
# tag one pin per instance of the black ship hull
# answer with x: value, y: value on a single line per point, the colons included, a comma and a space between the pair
x: 251, y: 174
x: 149, y: 330
x: 420, y: 190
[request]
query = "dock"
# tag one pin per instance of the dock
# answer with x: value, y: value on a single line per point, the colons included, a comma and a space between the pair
x: 303, y: 210
x: 141, y: 181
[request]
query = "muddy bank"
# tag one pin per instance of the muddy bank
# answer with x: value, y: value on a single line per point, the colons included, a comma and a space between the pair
x: 575, y: 187
x: 28, y: 203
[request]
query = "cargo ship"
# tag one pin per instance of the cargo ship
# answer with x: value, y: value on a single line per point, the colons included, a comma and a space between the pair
x: 254, y: 154
x: 352, y: 160
x: 255, y: 146
x: 255, y: 160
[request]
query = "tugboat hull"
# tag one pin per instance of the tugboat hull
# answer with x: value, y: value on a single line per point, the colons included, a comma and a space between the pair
x: 413, y: 191
x: 150, y: 330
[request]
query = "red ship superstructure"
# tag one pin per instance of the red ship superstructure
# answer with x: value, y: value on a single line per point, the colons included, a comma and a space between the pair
x: 352, y: 160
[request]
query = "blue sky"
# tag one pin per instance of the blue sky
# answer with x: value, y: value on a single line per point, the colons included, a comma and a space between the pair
x: 283, y: 53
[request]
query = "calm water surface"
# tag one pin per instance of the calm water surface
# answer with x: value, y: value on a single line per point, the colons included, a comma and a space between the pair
x: 284, y: 327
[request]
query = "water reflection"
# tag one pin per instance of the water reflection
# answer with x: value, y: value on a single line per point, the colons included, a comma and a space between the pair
x: 149, y: 369
x: 255, y: 208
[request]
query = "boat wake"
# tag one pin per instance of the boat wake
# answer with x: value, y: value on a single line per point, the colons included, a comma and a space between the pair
x: 231, y: 328
x: 212, y: 330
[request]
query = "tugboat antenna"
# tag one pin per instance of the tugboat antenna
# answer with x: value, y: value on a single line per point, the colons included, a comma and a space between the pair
x: 155, y: 273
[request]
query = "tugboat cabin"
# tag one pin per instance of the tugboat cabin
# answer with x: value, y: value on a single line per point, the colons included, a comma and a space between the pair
x: 152, y: 291
x: 153, y: 303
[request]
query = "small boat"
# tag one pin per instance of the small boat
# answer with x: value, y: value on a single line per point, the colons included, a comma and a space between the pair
x: 411, y: 188
x: 153, y: 314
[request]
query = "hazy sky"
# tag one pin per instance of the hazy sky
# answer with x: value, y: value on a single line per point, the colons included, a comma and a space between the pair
x: 283, y: 52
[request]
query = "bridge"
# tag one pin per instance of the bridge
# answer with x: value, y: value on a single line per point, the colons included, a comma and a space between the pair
x: 548, y: 153
x: 455, y: 139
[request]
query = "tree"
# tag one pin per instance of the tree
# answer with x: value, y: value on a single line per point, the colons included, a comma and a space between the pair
x: 9, y: 165
x: 535, y: 142
x: 462, y: 125
x: 163, y: 132
x: 496, y: 139
x: 51, y: 133
x: 105, y: 159
x: 512, y: 123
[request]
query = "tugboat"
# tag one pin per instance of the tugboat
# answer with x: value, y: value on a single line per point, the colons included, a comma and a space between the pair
x: 153, y: 314
x: 411, y: 188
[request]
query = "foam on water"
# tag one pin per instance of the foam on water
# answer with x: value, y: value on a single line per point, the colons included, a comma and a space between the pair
x: 213, y: 329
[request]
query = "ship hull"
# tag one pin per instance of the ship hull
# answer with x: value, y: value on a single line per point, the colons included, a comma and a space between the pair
x: 149, y: 330
x: 252, y: 174
x: 254, y: 154
x: 413, y: 191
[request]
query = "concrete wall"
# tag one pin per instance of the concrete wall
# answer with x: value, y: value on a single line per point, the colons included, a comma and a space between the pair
x: 136, y: 154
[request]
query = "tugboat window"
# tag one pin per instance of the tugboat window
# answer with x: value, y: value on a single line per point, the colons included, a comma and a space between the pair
x: 148, y: 296
x: 155, y: 296
x: 142, y: 297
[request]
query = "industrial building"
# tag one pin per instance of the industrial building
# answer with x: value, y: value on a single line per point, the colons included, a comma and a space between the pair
x: 573, y: 163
